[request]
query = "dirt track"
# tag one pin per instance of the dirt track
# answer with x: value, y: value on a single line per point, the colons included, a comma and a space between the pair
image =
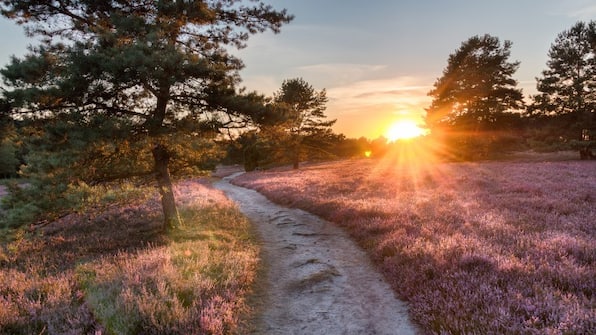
x: 317, y: 280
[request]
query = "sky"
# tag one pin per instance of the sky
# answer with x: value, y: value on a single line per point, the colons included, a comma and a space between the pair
x: 378, y: 59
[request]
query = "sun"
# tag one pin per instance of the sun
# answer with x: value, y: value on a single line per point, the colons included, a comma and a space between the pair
x: 403, y: 130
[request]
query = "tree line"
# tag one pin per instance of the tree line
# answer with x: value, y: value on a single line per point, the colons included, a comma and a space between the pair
x: 147, y: 90
x: 477, y: 109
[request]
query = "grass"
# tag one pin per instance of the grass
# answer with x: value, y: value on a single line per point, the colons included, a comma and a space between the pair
x: 25, y: 203
x: 112, y: 271
x: 475, y: 248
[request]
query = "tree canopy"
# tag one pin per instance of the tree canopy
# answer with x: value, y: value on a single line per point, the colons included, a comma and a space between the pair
x: 476, y: 93
x: 134, y: 81
x: 304, y: 119
x: 568, y: 85
x: 291, y: 127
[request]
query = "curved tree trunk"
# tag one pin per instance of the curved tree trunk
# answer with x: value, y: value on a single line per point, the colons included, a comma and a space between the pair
x: 161, y: 159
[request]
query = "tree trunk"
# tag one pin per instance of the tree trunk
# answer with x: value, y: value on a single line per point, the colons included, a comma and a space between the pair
x: 161, y: 159
x: 296, y: 158
x: 296, y: 154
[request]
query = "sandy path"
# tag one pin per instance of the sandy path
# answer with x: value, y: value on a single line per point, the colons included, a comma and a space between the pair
x: 318, y: 280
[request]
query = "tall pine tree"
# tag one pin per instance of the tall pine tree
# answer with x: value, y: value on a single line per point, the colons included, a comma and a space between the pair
x: 473, y: 100
x: 568, y: 86
x: 133, y: 85
x: 303, y: 119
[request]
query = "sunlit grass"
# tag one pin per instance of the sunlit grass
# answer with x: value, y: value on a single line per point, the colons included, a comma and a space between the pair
x: 475, y: 248
x: 113, y: 272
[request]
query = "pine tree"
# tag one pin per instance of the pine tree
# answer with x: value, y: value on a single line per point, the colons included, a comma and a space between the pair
x: 133, y: 85
x: 568, y: 87
x: 476, y: 95
x: 303, y: 119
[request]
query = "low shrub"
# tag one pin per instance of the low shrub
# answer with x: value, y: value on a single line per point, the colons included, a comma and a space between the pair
x: 475, y: 248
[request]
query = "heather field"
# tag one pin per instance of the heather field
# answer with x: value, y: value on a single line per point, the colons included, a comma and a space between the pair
x: 110, y: 270
x: 475, y: 248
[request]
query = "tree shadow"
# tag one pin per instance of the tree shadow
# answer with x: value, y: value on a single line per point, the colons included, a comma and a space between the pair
x: 84, y: 237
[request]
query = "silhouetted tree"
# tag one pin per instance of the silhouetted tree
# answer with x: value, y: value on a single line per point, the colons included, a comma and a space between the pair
x: 568, y: 87
x: 352, y: 147
x: 133, y: 86
x: 300, y: 110
x: 474, y: 99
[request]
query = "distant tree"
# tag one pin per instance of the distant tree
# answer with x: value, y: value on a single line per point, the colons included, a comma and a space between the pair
x: 568, y: 87
x: 300, y: 109
x: 352, y: 147
x: 474, y: 99
x: 132, y: 87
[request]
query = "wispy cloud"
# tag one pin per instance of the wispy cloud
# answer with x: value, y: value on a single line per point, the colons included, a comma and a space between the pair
x: 367, y: 107
x: 401, y: 93
x: 585, y: 12
x: 335, y: 74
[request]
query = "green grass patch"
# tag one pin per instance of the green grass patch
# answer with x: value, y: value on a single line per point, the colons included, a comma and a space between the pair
x: 195, y: 282
x: 24, y: 203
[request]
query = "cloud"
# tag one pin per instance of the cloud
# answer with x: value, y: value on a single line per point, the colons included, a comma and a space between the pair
x: 403, y: 94
x: 333, y: 74
x: 367, y: 107
x: 396, y: 92
x: 585, y: 12
x: 318, y: 75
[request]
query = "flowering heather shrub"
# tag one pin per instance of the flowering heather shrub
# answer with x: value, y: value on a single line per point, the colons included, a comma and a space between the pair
x: 476, y: 248
x: 112, y: 271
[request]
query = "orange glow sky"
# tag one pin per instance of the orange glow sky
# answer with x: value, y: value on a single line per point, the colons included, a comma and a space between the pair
x: 378, y: 59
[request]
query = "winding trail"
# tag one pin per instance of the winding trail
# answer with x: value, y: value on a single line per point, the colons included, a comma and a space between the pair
x: 318, y: 281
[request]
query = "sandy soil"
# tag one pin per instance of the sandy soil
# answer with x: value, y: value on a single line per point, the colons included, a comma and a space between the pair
x: 317, y: 280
